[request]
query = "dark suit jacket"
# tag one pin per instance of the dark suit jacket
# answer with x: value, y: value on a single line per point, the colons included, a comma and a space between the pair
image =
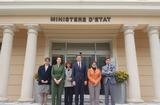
x: 44, y: 75
x: 79, y: 74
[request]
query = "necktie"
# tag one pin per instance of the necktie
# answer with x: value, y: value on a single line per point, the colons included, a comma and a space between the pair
x: 79, y: 64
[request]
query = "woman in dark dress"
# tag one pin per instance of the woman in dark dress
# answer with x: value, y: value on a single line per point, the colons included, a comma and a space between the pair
x: 44, y: 75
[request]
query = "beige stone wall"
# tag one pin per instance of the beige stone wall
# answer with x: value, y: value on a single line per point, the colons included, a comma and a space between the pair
x: 17, y: 62
x: 144, y: 63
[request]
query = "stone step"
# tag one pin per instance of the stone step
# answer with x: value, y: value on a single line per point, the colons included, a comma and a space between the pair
x: 17, y: 103
x: 86, y: 99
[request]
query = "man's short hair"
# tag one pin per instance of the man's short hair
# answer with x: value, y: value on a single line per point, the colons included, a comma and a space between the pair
x: 47, y: 58
x: 78, y: 55
x: 107, y: 58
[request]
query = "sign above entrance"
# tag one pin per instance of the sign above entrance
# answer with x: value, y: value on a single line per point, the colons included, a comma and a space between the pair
x: 79, y: 19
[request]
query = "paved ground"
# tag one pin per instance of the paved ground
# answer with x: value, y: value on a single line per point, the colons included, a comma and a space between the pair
x: 17, y: 103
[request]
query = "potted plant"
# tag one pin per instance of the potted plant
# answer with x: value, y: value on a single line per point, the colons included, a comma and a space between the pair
x: 121, y: 77
x: 35, y: 76
x: 36, y: 89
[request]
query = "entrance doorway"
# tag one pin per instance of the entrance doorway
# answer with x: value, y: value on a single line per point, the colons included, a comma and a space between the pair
x: 90, y: 52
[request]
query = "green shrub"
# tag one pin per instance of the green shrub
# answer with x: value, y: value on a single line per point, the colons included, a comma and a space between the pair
x: 121, y: 76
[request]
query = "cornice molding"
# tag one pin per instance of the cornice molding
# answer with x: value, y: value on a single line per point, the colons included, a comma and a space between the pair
x: 140, y: 8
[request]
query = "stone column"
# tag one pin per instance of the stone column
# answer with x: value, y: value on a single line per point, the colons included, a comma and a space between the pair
x: 153, y: 33
x: 131, y: 64
x: 29, y: 64
x: 5, y: 57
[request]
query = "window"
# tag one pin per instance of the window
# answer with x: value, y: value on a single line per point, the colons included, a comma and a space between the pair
x: 58, y: 46
x: 103, y: 46
x: 90, y: 51
x: 81, y: 46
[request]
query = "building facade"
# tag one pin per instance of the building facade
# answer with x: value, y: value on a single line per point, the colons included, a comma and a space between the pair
x: 126, y: 30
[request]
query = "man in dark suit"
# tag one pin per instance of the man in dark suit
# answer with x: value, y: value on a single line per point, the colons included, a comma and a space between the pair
x: 79, y: 77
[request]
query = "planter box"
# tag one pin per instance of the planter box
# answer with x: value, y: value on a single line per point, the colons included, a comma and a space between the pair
x: 120, y: 93
x: 36, y: 94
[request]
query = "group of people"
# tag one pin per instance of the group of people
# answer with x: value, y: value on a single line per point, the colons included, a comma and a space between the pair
x: 72, y: 78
